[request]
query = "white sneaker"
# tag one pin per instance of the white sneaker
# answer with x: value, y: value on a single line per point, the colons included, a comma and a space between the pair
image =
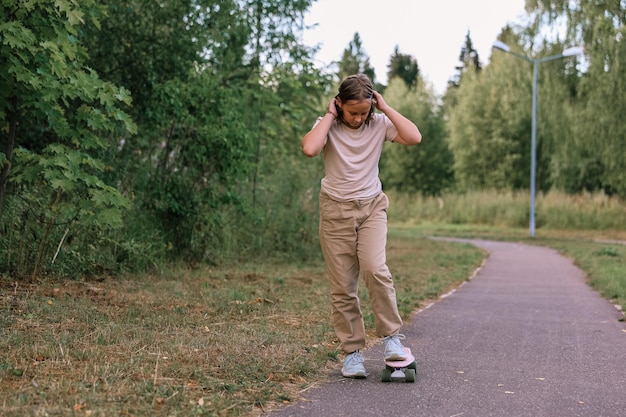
x: 353, y: 366
x: 394, y: 351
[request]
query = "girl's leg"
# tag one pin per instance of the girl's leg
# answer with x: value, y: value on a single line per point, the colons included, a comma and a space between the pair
x: 371, y: 252
x: 338, y: 242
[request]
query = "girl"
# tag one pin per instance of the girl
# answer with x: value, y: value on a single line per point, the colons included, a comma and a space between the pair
x: 353, y: 213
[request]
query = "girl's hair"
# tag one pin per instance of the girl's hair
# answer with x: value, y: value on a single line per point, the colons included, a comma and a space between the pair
x: 356, y: 87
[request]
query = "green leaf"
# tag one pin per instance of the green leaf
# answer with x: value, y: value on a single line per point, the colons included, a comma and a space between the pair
x: 15, y: 35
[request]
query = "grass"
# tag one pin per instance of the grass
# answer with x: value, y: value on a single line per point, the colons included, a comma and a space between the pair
x: 510, y: 210
x: 207, y: 342
x: 603, y: 262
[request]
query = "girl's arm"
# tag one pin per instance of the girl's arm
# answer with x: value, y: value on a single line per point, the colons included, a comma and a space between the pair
x: 313, y: 142
x: 408, y: 133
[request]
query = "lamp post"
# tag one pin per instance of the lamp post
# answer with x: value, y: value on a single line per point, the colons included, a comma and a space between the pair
x: 575, y: 50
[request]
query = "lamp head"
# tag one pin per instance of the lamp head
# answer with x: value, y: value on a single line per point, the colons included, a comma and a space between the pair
x: 574, y: 50
x: 501, y: 46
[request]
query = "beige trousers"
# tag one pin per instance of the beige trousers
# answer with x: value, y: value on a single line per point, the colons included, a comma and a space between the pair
x: 353, y: 237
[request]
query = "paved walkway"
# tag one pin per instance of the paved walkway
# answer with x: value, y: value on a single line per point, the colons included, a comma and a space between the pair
x: 525, y: 337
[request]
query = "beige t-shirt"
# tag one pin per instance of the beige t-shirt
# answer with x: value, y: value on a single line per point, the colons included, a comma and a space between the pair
x: 351, y: 158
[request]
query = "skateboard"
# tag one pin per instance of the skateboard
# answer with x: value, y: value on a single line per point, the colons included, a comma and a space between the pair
x: 400, y: 370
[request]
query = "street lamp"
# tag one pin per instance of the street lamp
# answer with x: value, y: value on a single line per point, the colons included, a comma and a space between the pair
x: 575, y: 50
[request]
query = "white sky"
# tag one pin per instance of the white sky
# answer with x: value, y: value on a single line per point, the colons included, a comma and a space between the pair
x: 432, y: 31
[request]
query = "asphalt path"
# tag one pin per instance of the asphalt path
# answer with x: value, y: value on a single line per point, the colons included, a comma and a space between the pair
x: 526, y: 336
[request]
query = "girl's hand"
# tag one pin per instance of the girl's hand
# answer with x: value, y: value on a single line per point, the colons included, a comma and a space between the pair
x: 379, y: 101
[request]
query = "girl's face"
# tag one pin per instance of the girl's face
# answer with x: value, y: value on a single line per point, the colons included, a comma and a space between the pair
x: 355, y: 112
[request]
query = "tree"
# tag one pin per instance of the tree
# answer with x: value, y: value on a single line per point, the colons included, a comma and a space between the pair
x: 427, y: 167
x: 468, y: 61
x: 213, y: 117
x: 57, y: 110
x: 490, y: 126
x: 589, y: 155
x: 403, y: 66
x: 599, y: 132
x: 355, y: 60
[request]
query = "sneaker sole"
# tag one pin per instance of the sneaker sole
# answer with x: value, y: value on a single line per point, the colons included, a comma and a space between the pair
x: 354, y: 376
x: 396, y: 358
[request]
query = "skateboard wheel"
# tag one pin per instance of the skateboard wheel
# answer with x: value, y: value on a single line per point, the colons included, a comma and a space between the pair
x: 409, y: 375
x: 413, y: 366
x: 386, y: 375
